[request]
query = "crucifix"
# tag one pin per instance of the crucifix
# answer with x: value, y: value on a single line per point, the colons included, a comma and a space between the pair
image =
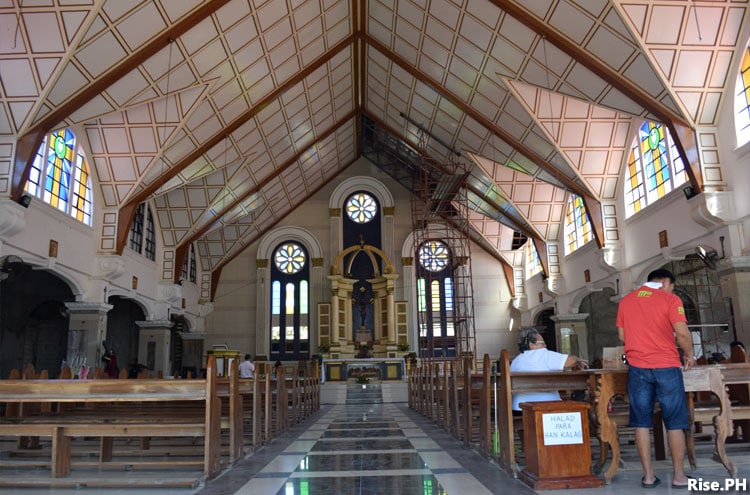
x: 363, y: 301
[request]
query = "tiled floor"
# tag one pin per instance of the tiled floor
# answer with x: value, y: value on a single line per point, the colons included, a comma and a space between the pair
x: 390, y: 449
x: 376, y: 448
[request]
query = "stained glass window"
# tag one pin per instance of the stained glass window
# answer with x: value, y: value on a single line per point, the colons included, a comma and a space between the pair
x: 290, y: 303
x: 533, y: 264
x: 361, y: 207
x: 435, y: 299
x: 577, y: 224
x: 433, y: 255
x: 742, y: 101
x: 654, y: 168
x: 289, y: 258
x: 60, y: 176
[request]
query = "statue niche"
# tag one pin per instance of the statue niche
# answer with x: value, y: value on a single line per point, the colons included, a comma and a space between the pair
x: 362, y: 304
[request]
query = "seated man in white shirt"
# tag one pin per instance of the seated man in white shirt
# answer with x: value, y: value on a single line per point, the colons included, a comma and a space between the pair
x: 536, y: 357
x: 247, y: 367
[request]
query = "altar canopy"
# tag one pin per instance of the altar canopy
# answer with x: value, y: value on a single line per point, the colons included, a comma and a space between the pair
x: 363, y: 312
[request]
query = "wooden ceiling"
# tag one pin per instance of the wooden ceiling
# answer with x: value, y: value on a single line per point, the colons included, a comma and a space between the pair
x: 229, y: 114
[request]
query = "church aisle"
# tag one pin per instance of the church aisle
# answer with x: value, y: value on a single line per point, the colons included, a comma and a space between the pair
x: 365, y: 449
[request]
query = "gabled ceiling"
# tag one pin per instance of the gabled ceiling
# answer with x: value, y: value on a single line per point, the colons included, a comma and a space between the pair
x: 229, y: 114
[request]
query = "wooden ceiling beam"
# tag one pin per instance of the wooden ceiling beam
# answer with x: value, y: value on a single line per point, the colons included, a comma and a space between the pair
x: 681, y: 131
x: 125, y: 217
x: 216, y: 272
x: 182, y: 247
x: 516, y: 224
x: 29, y: 143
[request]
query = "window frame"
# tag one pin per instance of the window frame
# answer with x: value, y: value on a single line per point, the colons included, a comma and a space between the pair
x: 61, y: 177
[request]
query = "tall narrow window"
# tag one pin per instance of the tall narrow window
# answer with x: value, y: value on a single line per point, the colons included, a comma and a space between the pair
x: 435, y: 300
x: 290, y: 312
x: 150, y: 248
x: 188, y: 267
x: 533, y: 264
x: 143, y: 221
x: 742, y: 101
x: 654, y: 168
x: 193, y: 262
x: 577, y: 225
x: 136, y: 229
x: 60, y: 176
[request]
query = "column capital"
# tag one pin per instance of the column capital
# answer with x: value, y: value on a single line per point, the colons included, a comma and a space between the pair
x: 154, y: 324
x: 569, y: 317
x: 88, y: 307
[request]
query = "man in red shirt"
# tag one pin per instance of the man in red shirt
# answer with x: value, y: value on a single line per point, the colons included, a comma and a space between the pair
x: 647, y: 321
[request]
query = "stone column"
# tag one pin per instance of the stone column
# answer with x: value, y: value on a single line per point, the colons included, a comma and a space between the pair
x: 154, y: 344
x: 410, y: 280
x: 335, y: 226
x: 316, y: 297
x: 389, y: 213
x: 192, y: 352
x: 87, y: 329
x: 262, y: 309
x: 334, y: 339
x: 391, y: 308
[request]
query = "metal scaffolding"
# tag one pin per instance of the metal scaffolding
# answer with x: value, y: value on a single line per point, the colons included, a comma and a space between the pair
x: 440, y: 212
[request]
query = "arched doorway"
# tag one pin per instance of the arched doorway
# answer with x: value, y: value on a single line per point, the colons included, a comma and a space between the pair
x: 33, y: 320
x: 122, y: 331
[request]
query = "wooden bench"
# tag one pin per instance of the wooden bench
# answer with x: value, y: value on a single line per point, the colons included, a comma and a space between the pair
x: 509, y: 383
x: 709, y: 378
x: 118, y: 421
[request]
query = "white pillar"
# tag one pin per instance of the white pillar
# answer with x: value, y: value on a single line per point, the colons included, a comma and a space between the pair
x: 154, y: 343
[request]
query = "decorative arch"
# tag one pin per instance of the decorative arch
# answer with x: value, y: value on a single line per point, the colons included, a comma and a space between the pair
x: 581, y: 294
x: 299, y: 234
x: 142, y: 302
x: 370, y: 251
x: 353, y: 184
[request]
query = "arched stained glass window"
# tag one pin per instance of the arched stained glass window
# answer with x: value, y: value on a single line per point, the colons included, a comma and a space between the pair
x: 435, y: 299
x: 654, y: 168
x: 742, y: 101
x: 290, y: 296
x: 60, y: 176
x: 533, y: 264
x: 361, y: 207
x: 577, y: 224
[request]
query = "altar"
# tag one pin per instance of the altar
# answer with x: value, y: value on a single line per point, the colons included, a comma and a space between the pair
x: 384, y: 369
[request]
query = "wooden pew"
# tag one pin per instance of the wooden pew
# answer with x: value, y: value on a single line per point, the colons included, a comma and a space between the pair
x: 509, y: 383
x: 709, y: 378
x: 62, y: 428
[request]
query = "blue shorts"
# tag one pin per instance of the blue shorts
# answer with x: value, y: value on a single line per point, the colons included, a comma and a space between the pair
x: 664, y: 384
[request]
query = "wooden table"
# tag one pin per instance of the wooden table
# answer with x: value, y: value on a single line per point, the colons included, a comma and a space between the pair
x: 605, y: 384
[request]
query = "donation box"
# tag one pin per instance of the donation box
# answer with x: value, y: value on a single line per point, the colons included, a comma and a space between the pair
x: 557, y: 447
